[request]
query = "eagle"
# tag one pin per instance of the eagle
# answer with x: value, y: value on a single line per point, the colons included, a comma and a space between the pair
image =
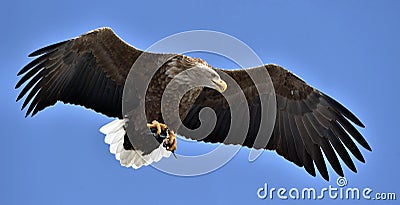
x: 91, y: 70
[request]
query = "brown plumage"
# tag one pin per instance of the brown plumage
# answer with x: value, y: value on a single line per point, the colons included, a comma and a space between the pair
x: 91, y: 70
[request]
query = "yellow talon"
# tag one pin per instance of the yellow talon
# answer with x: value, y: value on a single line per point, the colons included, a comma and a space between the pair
x: 155, y: 124
x: 170, y: 140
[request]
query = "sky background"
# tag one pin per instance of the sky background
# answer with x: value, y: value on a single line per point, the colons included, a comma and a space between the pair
x: 348, y: 49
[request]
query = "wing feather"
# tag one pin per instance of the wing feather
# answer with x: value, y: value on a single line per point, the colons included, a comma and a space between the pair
x: 89, y: 70
x: 309, y: 124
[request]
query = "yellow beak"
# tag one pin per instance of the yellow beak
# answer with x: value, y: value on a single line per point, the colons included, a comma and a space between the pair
x: 220, y: 85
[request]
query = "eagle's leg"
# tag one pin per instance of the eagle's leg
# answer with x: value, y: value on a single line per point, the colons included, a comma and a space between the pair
x: 170, y: 141
x: 160, y: 127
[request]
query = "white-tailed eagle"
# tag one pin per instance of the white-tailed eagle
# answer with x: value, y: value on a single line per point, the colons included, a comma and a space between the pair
x: 91, y: 71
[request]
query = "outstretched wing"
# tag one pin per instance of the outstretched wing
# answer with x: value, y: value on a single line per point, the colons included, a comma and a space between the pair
x: 89, y: 70
x: 309, y: 124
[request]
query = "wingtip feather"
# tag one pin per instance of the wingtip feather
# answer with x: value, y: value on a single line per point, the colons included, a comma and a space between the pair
x: 46, y: 49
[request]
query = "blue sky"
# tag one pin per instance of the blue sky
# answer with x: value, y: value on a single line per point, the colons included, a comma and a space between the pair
x: 347, y: 49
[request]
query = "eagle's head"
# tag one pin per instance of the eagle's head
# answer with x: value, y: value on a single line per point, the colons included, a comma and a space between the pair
x: 193, y: 71
x: 208, y: 76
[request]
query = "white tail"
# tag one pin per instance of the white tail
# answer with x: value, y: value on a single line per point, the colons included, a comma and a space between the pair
x: 115, y: 133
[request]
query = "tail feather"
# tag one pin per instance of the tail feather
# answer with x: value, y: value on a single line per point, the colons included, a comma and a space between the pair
x: 112, y: 126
